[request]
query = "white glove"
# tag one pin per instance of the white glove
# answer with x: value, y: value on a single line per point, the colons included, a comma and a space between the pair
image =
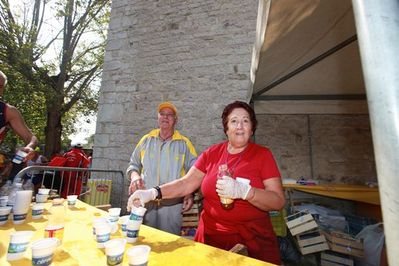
x: 141, y: 197
x: 228, y: 187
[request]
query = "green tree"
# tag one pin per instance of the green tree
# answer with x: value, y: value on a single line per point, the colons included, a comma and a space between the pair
x: 52, y: 93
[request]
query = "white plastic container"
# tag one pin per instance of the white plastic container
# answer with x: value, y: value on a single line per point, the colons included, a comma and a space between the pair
x: 115, y: 249
x: 19, y: 241
x: 138, y: 255
x: 44, y: 191
x: 103, y: 234
x: 72, y: 200
x: 43, y: 251
x: 21, y: 206
x: 19, y: 157
x: 56, y: 220
x: 4, y: 214
x: 134, y: 223
x: 37, y: 211
x: 123, y: 222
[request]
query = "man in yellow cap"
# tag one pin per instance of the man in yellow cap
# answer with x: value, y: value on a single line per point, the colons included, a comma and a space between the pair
x: 161, y: 156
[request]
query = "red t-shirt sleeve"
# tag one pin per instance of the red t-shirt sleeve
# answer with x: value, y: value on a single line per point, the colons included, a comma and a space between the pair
x: 201, y: 161
x: 269, y: 166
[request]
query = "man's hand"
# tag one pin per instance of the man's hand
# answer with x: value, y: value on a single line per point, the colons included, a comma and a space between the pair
x: 141, y: 197
x: 136, y: 183
x: 231, y: 188
x: 188, y: 202
x: 30, y: 152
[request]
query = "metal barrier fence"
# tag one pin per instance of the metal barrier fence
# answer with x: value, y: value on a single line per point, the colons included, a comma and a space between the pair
x: 94, y: 186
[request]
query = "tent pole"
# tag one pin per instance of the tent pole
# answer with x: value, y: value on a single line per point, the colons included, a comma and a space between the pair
x: 378, y: 38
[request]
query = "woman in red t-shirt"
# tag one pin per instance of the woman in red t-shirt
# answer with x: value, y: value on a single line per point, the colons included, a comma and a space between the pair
x: 248, y: 221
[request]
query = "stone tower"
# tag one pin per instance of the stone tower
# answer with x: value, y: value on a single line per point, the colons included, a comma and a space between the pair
x: 196, y: 54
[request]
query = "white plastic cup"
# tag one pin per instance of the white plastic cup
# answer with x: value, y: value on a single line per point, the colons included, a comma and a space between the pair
x: 3, y: 201
x: 4, y: 214
x: 138, y: 211
x: 19, y: 157
x: 134, y: 223
x: 54, y: 231
x: 44, y: 191
x: 123, y: 222
x: 19, y: 241
x: 41, y: 198
x: 19, y: 216
x: 103, y: 234
x: 112, y: 224
x: 72, y: 200
x: 114, y: 214
x: 132, y: 231
x: 37, y: 211
x: 43, y: 251
x: 138, y: 255
x: 245, y: 181
x: 98, y: 220
x: 114, y: 249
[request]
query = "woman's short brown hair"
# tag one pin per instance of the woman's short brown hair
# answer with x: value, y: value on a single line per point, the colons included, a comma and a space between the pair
x: 238, y: 104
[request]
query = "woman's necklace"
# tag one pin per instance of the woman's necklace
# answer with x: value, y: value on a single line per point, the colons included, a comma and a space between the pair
x: 233, y: 168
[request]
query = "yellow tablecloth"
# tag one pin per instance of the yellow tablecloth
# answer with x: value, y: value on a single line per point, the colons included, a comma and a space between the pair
x: 80, y: 248
x: 347, y: 192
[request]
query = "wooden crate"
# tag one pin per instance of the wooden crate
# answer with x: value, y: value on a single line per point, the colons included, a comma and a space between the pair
x: 190, y: 218
x: 329, y: 258
x: 300, y: 222
x: 344, y: 243
x: 311, y: 242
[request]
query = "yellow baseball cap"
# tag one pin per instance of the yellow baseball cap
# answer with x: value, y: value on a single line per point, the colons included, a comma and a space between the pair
x: 167, y: 105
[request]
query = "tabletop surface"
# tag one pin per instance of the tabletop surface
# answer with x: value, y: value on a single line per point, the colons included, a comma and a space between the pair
x: 342, y: 191
x: 80, y: 248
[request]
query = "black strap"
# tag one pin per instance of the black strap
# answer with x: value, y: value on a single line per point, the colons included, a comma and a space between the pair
x: 159, y: 195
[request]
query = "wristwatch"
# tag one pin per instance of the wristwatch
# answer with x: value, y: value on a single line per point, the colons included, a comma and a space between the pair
x: 159, y: 193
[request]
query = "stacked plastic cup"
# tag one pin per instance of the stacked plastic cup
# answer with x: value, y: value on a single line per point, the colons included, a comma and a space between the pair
x: 134, y: 223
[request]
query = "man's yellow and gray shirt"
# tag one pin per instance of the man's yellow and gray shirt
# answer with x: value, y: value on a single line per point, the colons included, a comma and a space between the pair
x: 158, y: 161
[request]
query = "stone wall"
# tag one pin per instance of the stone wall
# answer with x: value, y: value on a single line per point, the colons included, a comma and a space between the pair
x: 196, y: 54
x: 328, y: 148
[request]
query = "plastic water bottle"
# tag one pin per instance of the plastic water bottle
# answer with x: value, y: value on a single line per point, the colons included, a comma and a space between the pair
x: 28, y: 185
x: 5, y: 189
x: 56, y: 220
x: 227, y: 203
x: 13, y: 192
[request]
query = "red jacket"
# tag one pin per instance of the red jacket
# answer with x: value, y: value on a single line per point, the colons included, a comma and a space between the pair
x: 76, y: 158
x: 72, y: 182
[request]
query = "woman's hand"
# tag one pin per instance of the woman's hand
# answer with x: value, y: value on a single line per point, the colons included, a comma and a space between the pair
x: 230, y: 188
x: 141, y: 197
x: 188, y: 202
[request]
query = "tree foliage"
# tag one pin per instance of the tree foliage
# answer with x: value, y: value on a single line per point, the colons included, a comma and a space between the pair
x: 51, y: 93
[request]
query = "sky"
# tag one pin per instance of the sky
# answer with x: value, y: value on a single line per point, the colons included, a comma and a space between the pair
x: 85, y: 129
